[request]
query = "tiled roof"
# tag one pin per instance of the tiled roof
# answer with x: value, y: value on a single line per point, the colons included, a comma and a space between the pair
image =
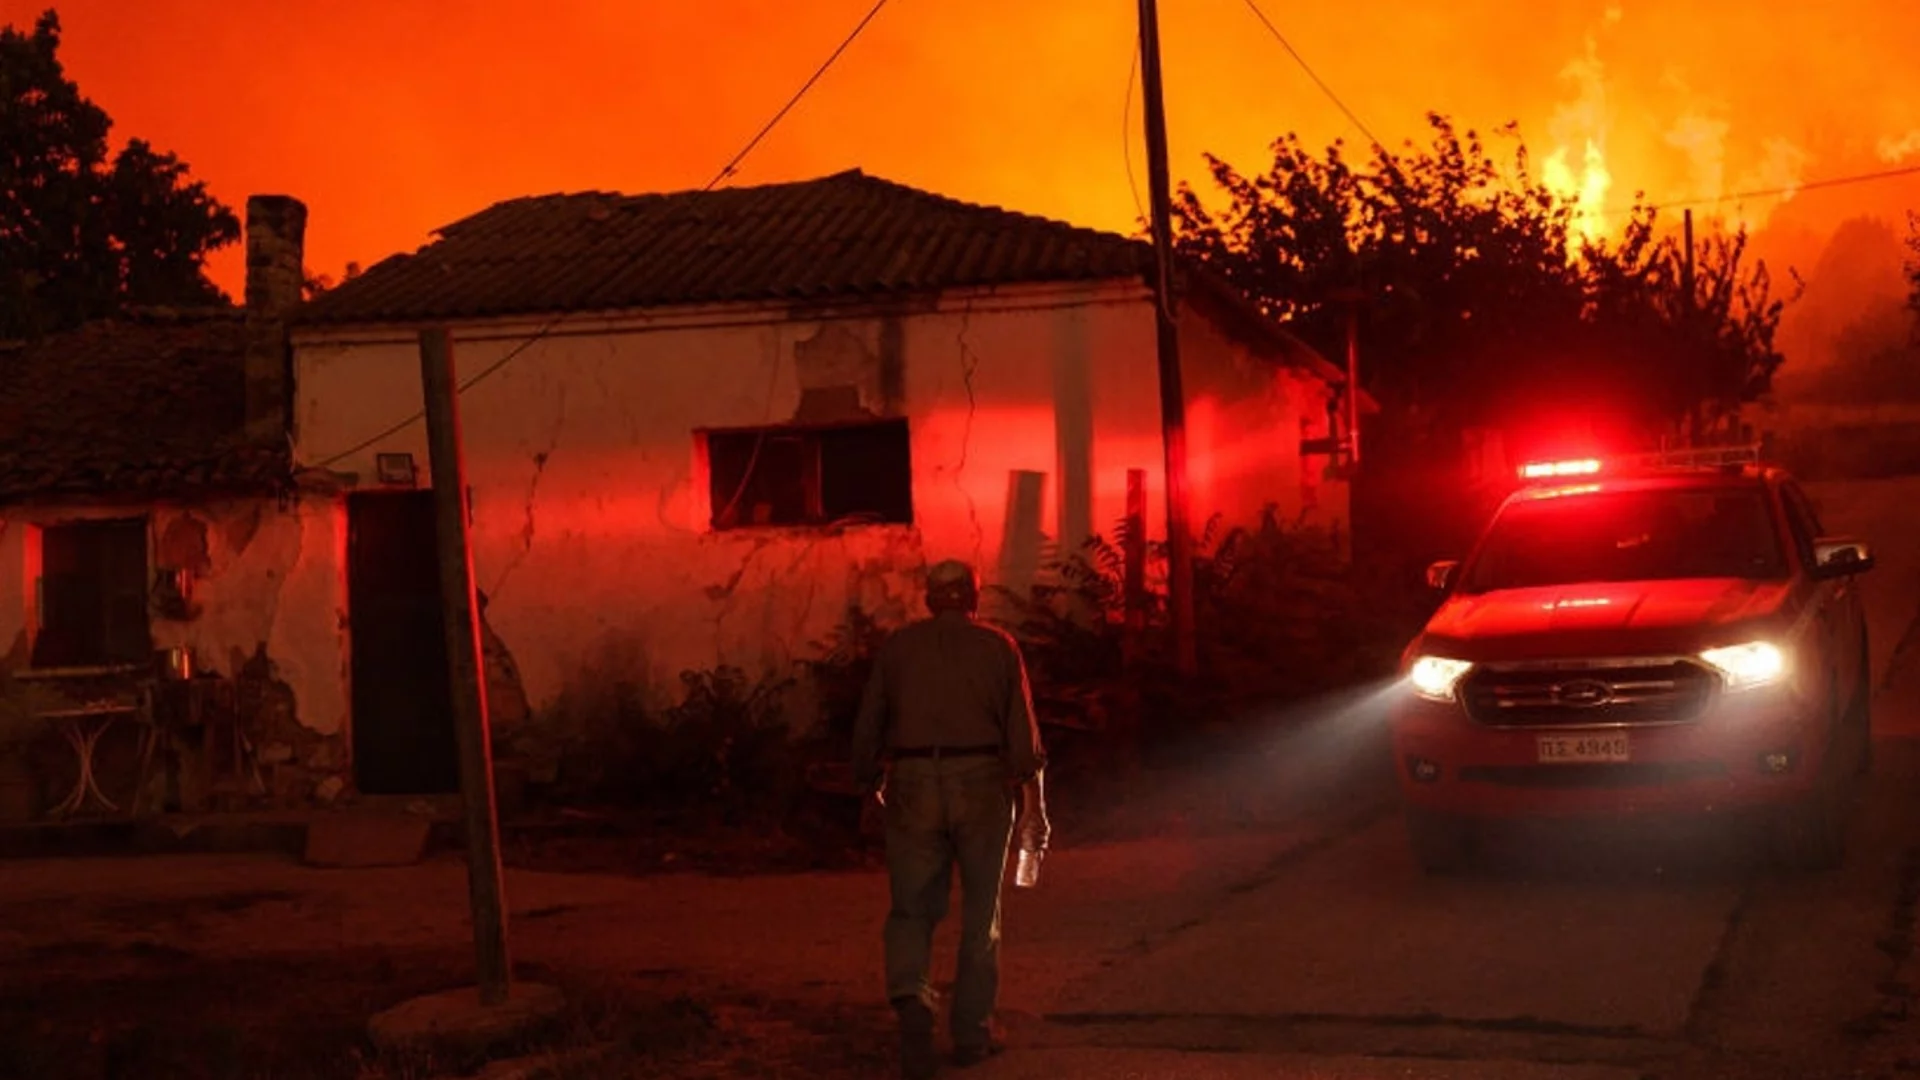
x: 149, y: 406
x: 845, y: 235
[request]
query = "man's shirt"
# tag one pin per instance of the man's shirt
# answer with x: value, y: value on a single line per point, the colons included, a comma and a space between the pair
x: 949, y: 681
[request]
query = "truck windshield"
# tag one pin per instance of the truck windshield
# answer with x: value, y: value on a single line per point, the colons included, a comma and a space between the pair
x: 1648, y: 535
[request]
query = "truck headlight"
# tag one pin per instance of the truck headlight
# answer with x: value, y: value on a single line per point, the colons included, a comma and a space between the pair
x: 1436, y: 677
x: 1755, y: 663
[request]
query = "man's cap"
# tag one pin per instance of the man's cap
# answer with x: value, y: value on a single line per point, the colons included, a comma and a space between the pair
x: 951, y: 575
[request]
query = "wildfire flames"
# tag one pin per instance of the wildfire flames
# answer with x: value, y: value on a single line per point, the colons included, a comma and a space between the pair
x: 1581, y: 171
x: 1583, y: 122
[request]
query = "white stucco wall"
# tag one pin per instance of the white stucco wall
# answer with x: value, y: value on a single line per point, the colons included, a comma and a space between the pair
x: 1246, y: 418
x: 270, y: 577
x: 591, y: 506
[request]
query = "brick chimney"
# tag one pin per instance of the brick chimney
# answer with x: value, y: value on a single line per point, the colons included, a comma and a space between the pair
x: 276, y: 272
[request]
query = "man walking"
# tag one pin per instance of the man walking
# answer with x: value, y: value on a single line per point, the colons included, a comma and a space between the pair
x: 948, y: 704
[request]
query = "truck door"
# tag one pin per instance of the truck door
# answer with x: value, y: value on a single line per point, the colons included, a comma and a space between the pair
x: 1837, y: 601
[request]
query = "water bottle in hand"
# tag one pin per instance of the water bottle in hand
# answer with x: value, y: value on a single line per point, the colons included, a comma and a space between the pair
x: 1026, y: 872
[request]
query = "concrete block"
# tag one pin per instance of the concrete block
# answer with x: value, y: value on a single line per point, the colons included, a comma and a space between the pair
x: 457, y: 1022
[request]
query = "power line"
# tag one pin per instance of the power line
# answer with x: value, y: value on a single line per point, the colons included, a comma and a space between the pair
x: 1779, y: 192
x: 1126, y: 134
x: 634, y: 256
x: 798, y: 94
x: 1352, y: 118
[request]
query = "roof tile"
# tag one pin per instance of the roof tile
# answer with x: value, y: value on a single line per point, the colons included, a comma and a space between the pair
x: 147, y: 406
x: 844, y: 235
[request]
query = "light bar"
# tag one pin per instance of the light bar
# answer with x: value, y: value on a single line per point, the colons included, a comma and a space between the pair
x: 1541, y: 470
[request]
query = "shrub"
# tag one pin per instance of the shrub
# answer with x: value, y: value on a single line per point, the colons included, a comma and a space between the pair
x: 1279, y: 617
x: 723, y: 752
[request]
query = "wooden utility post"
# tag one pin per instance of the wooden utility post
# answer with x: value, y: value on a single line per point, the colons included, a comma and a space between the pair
x: 486, y: 888
x: 1696, y: 420
x: 1352, y: 298
x: 1173, y: 406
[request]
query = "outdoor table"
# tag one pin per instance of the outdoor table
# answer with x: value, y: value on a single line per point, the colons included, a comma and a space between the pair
x: 82, y: 727
x: 99, y: 697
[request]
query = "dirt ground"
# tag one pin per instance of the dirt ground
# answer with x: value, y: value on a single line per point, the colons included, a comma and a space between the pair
x: 688, y: 956
x: 104, y: 995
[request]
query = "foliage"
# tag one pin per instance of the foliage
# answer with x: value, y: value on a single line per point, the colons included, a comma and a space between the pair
x: 839, y: 673
x: 1913, y: 265
x: 1279, y: 617
x: 1482, y: 301
x: 88, y: 233
x: 724, y: 745
x: 722, y: 752
x: 314, y: 284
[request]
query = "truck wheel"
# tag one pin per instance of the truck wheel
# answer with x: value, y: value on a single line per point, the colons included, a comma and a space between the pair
x: 1441, y: 844
x: 1812, y: 836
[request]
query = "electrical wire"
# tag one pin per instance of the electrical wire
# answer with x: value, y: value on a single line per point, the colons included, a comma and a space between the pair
x: 1126, y: 133
x: 1779, y: 192
x: 633, y: 257
x: 730, y: 166
x: 1352, y: 117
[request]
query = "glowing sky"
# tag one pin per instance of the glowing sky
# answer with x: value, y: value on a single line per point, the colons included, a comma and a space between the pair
x: 392, y: 117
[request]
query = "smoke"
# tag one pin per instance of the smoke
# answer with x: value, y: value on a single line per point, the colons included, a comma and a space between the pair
x: 1894, y: 151
x: 1854, y: 305
x: 1702, y: 139
x: 1700, y: 133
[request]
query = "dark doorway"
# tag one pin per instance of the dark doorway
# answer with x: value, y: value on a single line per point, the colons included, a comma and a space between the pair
x: 403, y: 740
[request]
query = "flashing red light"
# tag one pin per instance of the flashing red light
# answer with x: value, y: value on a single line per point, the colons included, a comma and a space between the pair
x: 1541, y: 470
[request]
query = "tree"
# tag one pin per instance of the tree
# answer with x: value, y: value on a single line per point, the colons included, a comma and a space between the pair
x: 1482, y: 306
x: 85, y: 233
x: 1913, y: 265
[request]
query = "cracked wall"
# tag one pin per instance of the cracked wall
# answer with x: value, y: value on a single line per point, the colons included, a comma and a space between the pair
x: 264, y: 589
x: 590, y: 502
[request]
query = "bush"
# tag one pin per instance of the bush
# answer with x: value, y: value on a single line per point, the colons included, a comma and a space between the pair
x: 725, y: 748
x: 1279, y: 617
x: 722, y: 753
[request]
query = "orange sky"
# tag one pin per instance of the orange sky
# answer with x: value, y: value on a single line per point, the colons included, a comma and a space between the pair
x: 390, y: 121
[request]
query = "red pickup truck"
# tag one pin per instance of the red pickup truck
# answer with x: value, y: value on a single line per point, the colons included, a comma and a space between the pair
x: 1666, y: 636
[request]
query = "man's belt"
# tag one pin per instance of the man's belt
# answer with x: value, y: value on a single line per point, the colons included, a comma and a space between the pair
x: 937, y: 752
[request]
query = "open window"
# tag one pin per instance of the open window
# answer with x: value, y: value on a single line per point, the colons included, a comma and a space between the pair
x: 786, y: 476
x: 93, y: 595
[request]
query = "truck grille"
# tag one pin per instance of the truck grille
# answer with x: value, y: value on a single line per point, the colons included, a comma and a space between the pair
x: 1653, y: 692
x: 1610, y: 776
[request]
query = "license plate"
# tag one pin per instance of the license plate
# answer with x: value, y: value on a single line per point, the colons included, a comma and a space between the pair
x: 1555, y: 749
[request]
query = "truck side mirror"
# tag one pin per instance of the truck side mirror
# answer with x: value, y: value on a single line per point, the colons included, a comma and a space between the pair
x: 1839, y: 557
x: 1441, y: 574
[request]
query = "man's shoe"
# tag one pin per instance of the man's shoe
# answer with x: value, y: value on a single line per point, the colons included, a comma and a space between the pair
x: 918, y: 1061
x: 971, y: 1055
x: 917, y: 1058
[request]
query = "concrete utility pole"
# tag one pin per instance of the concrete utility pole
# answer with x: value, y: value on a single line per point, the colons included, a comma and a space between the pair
x: 485, y: 885
x: 1173, y: 405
